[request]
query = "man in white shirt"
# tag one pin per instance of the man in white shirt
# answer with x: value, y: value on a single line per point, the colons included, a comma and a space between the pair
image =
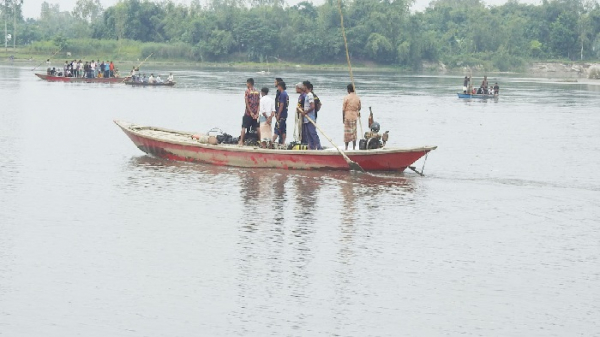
x: 93, y: 68
x: 158, y: 79
x: 151, y: 79
x: 266, y: 112
x: 170, y: 78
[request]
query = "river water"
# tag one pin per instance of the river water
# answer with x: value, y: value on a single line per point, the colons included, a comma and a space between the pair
x: 500, y: 238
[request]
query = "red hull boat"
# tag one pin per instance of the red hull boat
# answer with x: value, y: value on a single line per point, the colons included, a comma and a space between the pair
x: 50, y: 78
x: 176, y: 145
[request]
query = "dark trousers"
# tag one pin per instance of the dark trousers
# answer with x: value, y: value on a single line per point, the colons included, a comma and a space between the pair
x: 309, y: 132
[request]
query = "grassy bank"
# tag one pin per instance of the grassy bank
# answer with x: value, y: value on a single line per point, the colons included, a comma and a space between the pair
x: 128, y: 53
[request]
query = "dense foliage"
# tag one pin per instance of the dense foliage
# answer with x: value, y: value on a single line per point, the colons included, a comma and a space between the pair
x: 455, y: 32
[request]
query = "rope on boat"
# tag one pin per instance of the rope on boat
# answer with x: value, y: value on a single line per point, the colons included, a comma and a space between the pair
x: 298, y: 128
x: 414, y: 169
x: 51, y: 56
x: 139, y: 65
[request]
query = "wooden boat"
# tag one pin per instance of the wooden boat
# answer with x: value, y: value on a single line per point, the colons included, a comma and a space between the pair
x: 51, y: 78
x: 176, y: 145
x: 145, y: 84
x: 479, y: 96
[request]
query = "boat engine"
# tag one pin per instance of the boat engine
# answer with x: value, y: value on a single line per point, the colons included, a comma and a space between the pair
x: 373, y: 139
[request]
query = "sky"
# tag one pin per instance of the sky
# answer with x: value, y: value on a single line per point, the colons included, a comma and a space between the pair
x: 32, y: 8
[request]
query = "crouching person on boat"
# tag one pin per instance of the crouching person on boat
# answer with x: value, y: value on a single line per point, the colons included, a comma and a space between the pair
x: 252, y: 100
x: 350, y: 114
x: 267, y: 111
x: 309, y: 130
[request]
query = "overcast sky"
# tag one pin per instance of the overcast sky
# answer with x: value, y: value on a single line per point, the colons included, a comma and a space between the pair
x: 31, y: 8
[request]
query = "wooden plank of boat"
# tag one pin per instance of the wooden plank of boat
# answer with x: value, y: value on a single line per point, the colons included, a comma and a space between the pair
x: 176, y: 145
x: 145, y: 84
x: 480, y: 96
x: 50, y: 78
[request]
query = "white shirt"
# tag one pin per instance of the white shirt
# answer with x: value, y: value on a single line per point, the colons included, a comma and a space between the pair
x: 267, y: 105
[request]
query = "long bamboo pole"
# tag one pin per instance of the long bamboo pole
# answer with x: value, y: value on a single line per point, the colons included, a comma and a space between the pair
x: 348, y: 59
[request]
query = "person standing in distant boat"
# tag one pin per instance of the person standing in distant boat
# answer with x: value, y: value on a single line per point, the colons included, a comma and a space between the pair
x: 350, y: 114
x: 252, y: 101
x: 466, y: 85
x: 485, y: 85
x: 496, y: 89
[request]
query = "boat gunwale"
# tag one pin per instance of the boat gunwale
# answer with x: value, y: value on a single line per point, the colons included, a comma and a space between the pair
x: 461, y: 95
x: 131, y: 128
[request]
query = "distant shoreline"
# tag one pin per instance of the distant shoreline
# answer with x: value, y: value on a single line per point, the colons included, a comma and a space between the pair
x: 574, y: 71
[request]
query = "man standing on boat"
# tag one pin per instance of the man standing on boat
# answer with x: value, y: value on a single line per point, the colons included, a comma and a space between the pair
x: 282, y: 113
x: 496, y: 89
x: 267, y: 112
x: 277, y: 80
x: 350, y: 114
x: 299, y: 107
x: 485, y: 85
x: 318, y: 104
x: 466, y: 85
x: 252, y: 100
x: 308, y: 129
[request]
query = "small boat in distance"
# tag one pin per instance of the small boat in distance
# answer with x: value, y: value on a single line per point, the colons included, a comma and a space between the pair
x: 177, y: 145
x: 479, y: 96
x: 146, y: 84
x: 51, y: 78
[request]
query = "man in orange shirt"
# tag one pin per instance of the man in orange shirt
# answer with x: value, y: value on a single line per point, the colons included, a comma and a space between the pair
x: 350, y: 114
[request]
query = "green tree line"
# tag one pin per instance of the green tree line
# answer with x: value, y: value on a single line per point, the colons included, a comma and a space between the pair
x: 454, y: 32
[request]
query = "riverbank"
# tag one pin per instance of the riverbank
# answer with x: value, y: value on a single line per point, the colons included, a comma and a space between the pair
x: 572, y: 71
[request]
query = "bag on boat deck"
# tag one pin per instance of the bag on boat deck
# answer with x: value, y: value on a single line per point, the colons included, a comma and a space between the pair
x: 297, y: 146
x: 251, y: 138
x: 226, y: 138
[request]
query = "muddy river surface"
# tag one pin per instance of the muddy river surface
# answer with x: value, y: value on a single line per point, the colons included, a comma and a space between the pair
x: 500, y: 238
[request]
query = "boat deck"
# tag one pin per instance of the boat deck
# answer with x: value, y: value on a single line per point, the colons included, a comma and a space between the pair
x: 185, y: 138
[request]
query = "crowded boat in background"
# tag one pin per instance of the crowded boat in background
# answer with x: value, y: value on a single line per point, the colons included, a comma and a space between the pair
x: 91, y: 69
